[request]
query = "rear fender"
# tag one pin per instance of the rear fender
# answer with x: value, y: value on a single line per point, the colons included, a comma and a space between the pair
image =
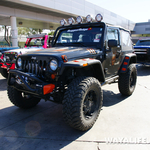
x: 128, y: 59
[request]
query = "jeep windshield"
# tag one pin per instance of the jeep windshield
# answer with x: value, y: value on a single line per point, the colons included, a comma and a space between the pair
x: 83, y: 36
x: 36, y: 42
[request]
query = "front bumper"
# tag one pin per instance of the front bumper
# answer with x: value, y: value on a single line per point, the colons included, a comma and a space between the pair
x: 143, y: 56
x: 28, y: 83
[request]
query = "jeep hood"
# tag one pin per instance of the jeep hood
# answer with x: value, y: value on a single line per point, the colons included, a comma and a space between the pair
x: 70, y: 52
x: 24, y: 50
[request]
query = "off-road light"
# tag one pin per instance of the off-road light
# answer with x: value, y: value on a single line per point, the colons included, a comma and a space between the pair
x: 19, y: 62
x: 64, y: 58
x: 53, y: 65
x: 98, y: 17
x: 71, y: 21
x: 88, y: 18
x: 79, y: 19
x: 63, y: 22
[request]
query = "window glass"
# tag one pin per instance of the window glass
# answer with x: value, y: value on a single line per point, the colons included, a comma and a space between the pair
x: 112, y: 34
x: 65, y: 38
x: 83, y: 36
x: 36, y: 42
x: 125, y: 38
x: 143, y: 42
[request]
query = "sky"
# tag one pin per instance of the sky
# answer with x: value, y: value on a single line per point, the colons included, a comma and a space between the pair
x: 134, y: 10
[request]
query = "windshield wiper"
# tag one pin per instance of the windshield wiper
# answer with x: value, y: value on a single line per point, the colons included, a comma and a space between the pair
x: 81, y: 43
x: 60, y: 44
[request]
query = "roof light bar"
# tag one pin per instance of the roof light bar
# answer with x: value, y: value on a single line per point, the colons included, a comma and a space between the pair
x: 63, y: 22
x: 71, y: 21
x: 79, y: 19
x: 98, y: 17
x: 88, y: 18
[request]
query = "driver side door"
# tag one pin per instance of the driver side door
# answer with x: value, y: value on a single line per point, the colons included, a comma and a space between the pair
x: 113, y: 54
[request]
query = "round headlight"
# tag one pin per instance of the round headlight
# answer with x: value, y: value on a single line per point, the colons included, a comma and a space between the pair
x: 79, y: 19
x: 88, y: 18
x: 63, y: 22
x: 19, y: 62
x: 71, y: 20
x: 53, y: 65
x: 98, y: 17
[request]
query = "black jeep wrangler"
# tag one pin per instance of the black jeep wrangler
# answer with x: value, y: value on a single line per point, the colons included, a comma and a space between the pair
x: 83, y: 57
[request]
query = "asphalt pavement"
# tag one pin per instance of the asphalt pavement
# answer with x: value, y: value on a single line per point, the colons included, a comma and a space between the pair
x: 123, y: 124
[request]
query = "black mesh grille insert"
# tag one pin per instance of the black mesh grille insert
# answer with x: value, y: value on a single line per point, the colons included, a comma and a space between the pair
x: 37, y: 67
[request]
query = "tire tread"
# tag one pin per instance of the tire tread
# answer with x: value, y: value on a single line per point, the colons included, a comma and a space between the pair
x: 16, y: 98
x: 123, y: 82
x: 71, y: 104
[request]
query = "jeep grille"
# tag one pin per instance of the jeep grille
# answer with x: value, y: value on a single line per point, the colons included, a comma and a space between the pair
x: 37, y: 67
x: 10, y: 57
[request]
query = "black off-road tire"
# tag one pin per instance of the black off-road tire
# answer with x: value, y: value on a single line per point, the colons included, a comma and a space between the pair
x: 127, y: 81
x: 4, y: 73
x: 17, y: 98
x: 82, y: 103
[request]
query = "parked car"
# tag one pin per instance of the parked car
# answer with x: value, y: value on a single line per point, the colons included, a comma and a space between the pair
x: 2, y: 50
x: 33, y: 43
x: 142, y: 50
x: 83, y: 57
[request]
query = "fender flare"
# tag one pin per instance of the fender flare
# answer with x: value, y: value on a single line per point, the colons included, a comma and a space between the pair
x: 80, y: 63
x: 128, y: 59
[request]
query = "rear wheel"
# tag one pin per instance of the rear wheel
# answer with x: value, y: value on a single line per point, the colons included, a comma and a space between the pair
x: 4, y: 73
x: 127, y: 81
x: 82, y: 103
x: 21, y: 99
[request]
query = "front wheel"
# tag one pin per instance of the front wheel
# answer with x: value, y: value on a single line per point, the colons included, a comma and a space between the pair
x: 127, y: 81
x: 82, y: 103
x: 21, y: 99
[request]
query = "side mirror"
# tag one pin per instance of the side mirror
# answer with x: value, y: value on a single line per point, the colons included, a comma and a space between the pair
x: 112, y: 43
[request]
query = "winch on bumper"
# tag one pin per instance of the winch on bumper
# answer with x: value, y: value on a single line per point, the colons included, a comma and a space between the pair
x: 29, y: 83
